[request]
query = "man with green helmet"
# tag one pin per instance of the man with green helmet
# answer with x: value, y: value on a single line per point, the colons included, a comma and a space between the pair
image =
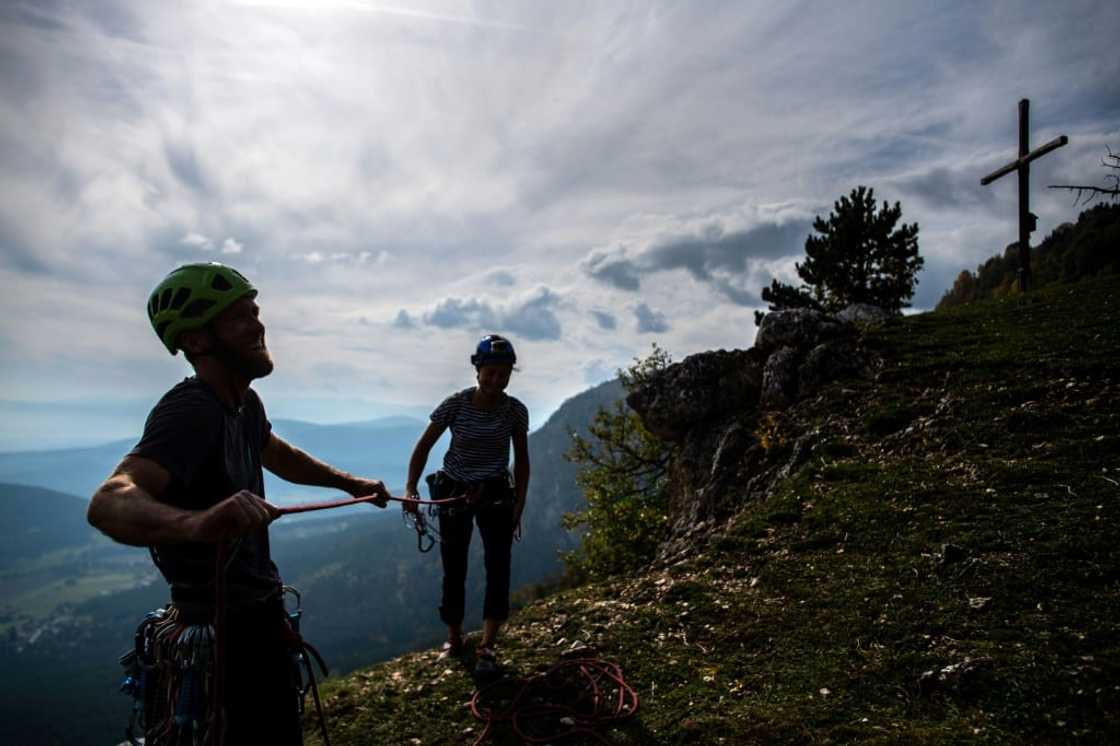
x: 195, y: 481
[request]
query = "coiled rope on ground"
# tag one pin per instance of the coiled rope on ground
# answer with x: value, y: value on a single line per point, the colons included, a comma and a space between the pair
x: 577, y: 697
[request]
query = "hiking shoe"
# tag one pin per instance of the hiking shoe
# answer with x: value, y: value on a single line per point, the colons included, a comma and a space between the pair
x: 450, y: 649
x: 486, y: 663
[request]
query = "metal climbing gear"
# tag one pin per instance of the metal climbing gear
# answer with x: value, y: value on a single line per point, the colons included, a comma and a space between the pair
x: 426, y: 534
x: 169, y: 673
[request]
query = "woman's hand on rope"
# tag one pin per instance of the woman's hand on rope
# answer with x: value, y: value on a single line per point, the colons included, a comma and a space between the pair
x: 411, y: 502
x: 237, y: 515
x: 366, y: 487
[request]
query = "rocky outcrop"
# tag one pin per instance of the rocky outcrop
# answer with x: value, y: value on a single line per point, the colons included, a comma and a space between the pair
x: 799, y: 328
x: 709, y: 406
x: 864, y: 314
x: 695, y: 390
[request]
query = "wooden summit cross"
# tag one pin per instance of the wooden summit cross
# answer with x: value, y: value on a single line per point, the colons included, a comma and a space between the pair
x: 1028, y: 221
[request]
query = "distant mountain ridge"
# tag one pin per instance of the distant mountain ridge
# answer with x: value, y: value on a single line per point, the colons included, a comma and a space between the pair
x: 377, y: 448
x: 34, y: 521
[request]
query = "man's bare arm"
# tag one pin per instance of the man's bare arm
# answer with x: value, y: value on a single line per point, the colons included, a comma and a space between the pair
x: 288, y: 462
x: 126, y: 509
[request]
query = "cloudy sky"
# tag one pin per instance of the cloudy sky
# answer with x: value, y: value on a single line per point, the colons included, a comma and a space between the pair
x: 398, y: 179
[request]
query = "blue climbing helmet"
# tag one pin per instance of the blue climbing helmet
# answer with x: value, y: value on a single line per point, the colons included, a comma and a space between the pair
x: 493, y: 349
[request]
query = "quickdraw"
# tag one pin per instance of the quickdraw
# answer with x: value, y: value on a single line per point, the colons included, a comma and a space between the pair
x: 424, y: 530
x: 304, y: 654
x: 169, y: 673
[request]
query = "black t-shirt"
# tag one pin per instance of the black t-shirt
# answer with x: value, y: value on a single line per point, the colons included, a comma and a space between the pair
x: 211, y: 452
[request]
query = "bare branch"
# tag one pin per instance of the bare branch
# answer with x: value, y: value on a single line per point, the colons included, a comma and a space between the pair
x: 1112, y: 157
x: 1085, y: 193
x: 1088, y: 191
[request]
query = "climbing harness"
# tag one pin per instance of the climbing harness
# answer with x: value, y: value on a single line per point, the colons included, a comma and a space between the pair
x: 576, y: 697
x: 427, y: 535
x: 175, y: 675
x: 175, y: 671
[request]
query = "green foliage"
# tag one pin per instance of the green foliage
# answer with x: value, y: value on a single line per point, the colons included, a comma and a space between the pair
x: 781, y: 296
x: 623, y: 478
x: 859, y: 257
x: 644, y: 369
x: 1070, y: 253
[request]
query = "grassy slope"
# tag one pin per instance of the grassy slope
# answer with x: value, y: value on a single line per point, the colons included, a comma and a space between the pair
x: 832, y: 611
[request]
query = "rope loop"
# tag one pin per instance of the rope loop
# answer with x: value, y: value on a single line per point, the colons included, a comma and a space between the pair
x: 577, y: 697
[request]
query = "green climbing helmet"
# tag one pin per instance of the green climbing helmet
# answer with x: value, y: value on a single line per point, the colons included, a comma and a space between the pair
x: 191, y: 296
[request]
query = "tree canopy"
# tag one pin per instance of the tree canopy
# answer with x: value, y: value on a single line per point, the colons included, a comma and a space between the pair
x: 859, y: 256
x: 1071, y: 252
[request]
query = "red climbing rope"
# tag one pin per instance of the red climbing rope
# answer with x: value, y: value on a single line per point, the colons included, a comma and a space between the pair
x: 307, y: 507
x: 574, y: 698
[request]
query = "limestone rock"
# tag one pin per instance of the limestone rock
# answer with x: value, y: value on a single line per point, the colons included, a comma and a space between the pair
x: 700, y: 387
x: 830, y: 361
x: 779, y: 379
x: 865, y: 314
x: 708, y: 405
x: 799, y: 328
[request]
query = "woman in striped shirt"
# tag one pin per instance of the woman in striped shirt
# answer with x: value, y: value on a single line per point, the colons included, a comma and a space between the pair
x: 484, y: 420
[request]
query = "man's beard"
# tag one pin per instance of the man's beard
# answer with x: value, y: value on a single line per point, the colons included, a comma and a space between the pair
x: 249, y: 366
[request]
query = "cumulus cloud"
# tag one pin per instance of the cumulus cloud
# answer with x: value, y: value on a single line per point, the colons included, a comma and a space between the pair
x: 605, y: 320
x: 532, y: 316
x: 452, y: 313
x: 232, y: 246
x: 197, y: 241
x: 501, y: 278
x: 185, y: 165
x: 649, y: 320
x: 943, y: 187
x: 536, y: 317
x: 404, y: 320
x: 716, y: 253
x: 613, y: 268
x: 368, y: 257
x: 319, y: 257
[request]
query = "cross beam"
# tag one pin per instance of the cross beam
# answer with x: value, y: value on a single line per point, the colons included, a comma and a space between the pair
x: 1054, y: 144
x: 1021, y: 164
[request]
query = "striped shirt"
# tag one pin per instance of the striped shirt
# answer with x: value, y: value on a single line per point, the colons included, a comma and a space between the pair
x: 479, y: 437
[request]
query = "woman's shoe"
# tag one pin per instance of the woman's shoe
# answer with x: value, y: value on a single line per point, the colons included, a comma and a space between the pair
x: 451, y: 649
x: 486, y: 663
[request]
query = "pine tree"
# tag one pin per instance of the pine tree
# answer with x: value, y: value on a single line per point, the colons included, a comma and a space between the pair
x: 859, y: 257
